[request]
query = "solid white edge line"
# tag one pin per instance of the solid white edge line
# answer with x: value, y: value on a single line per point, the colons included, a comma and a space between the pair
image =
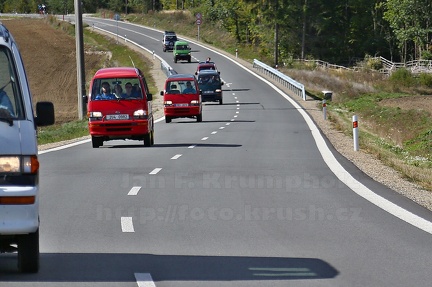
x: 144, y: 280
x: 349, y: 180
x: 337, y: 168
x: 127, y: 224
x: 134, y: 190
x: 64, y: 146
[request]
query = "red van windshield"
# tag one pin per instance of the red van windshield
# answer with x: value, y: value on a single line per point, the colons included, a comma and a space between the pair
x: 116, y: 88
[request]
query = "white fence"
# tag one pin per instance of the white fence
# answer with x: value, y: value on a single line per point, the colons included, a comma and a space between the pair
x: 388, y: 67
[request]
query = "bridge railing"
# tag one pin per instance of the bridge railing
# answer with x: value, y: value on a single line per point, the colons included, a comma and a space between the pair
x: 294, y: 86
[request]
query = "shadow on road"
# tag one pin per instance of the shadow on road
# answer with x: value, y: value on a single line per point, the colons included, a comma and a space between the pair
x: 94, y: 267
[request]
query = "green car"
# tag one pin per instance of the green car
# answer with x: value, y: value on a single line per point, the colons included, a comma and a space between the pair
x: 182, y: 51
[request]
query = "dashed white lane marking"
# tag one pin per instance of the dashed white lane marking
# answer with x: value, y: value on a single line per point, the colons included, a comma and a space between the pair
x: 176, y: 156
x: 192, y: 146
x: 237, y: 112
x: 204, y: 138
x: 156, y: 170
x: 227, y: 124
x: 236, y: 116
x: 238, y: 105
x: 215, y: 132
x: 134, y: 190
x: 127, y: 224
x: 221, y: 128
x: 232, y: 120
x: 144, y: 280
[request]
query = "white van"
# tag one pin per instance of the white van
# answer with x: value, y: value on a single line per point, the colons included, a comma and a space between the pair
x: 19, y: 165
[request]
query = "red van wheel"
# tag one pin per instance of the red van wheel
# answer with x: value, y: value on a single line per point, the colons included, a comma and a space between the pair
x: 147, y: 140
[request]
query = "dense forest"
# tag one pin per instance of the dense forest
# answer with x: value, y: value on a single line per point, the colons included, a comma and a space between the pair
x: 338, y: 31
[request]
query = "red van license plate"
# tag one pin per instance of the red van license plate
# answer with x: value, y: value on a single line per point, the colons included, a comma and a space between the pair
x: 118, y: 117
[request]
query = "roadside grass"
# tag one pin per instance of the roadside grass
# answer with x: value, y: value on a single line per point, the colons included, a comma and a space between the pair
x: 62, y: 132
x: 112, y: 54
x: 400, y: 138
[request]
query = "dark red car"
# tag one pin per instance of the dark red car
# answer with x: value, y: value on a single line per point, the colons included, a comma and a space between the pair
x: 206, y: 66
x: 182, y: 97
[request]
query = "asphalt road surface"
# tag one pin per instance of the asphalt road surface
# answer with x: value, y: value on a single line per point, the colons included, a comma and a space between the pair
x: 245, y: 198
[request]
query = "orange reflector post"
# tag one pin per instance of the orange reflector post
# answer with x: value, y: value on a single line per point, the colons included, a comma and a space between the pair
x: 17, y: 200
x: 355, y: 124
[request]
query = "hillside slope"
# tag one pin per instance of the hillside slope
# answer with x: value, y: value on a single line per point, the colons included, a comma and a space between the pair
x: 50, y: 61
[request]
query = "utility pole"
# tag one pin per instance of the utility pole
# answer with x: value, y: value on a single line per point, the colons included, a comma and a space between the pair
x: 79, y: 58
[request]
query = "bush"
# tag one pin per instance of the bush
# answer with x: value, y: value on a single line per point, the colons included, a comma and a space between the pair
x: 374, y: 64
x: 425, y: 80
x: 402, y: 77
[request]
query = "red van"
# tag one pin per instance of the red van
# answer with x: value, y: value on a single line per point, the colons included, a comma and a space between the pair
x: 182, y: 98
x: 119, y: 106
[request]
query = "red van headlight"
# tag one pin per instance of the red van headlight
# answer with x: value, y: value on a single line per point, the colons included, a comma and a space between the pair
x: 94, y: 116
x: 140, y: 114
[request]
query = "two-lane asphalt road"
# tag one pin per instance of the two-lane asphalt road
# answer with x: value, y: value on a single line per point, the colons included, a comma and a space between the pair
x: 244, y: 198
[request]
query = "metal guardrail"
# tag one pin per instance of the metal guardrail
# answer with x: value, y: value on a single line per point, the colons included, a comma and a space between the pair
x: 294, y: 86
x: 166, y: 68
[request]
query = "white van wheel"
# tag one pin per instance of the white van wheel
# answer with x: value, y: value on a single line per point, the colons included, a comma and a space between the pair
x: 28, y: 252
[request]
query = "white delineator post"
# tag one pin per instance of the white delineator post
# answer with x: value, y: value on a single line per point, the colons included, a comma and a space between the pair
x: 355, y: 132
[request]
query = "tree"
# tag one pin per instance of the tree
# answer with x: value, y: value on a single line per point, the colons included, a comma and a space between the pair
x: 410, y: 21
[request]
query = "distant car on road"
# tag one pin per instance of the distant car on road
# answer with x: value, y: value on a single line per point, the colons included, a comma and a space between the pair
x: 120, y: 106
x: 182, y: 100
x: 182, y: 51
x: 169, y: 38
x: 210, y: 84
x: 206, y: 66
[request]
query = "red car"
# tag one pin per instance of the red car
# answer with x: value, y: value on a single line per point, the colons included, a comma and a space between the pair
x: 206, y: 66
x: 119, y: 106
x: 182, y: 98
